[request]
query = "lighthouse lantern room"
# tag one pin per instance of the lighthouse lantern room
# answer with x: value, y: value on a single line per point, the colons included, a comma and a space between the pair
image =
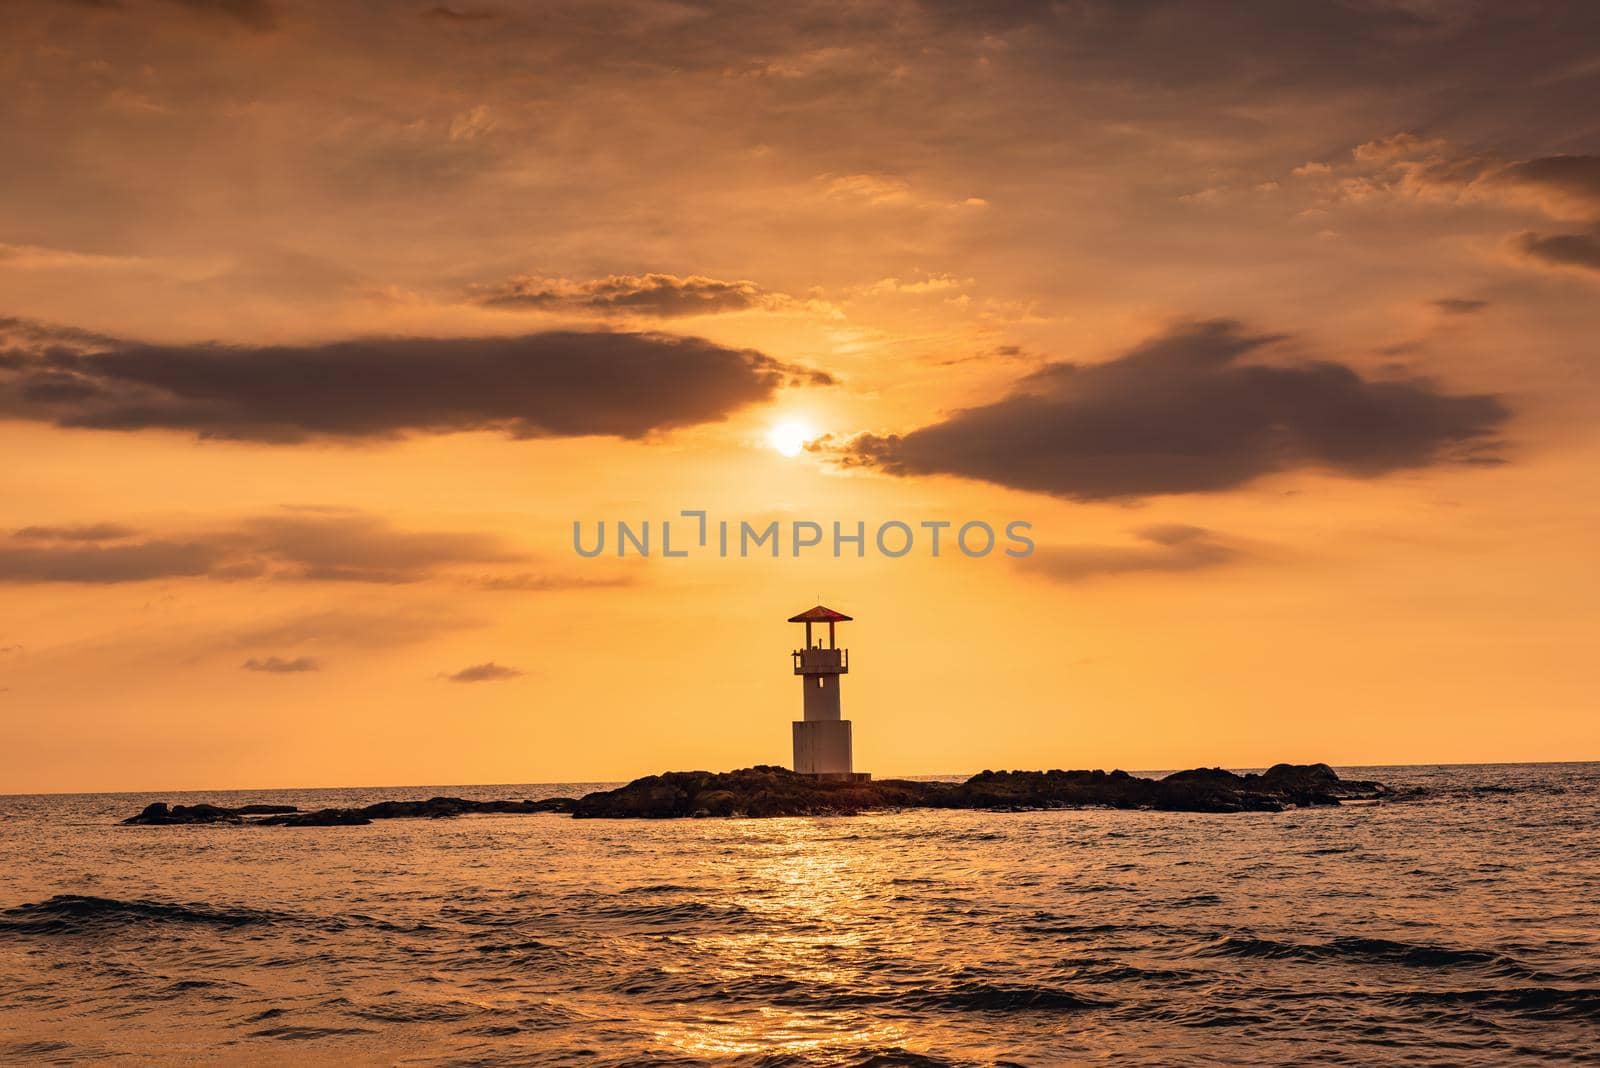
x: 822, y: 738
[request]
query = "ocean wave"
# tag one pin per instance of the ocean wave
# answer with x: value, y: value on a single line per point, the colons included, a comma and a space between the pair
x: 1110, y: 970
x: 37, y: 1050
x: 680, y: 913
x: 81, y: 914
x: 982, y: 996
x: 292, y: 1033
x: 1363, y: 950
x: 410, y: 1010
x: 1539, y: 1002
x: 963, y: 994
x: 523, y: 948
x: 854, y: 1057
x: 1205, y: 1014
x: 663, y: 888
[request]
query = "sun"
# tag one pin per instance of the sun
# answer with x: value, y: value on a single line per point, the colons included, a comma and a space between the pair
x: 790, y: 436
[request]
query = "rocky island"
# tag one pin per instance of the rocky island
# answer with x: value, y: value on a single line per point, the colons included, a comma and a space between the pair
x: 160, y: 815
x: 766, y: 791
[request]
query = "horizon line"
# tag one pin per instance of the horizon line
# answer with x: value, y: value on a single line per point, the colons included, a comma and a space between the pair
x: 1142, y: 772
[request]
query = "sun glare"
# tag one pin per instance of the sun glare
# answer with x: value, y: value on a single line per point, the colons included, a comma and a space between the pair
x: 790, y: 436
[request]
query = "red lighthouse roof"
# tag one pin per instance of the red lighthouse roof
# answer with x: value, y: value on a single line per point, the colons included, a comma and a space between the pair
x: 819, y: 614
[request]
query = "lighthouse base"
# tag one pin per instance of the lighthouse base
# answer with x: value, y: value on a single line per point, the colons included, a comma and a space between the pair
x: 822, y: 747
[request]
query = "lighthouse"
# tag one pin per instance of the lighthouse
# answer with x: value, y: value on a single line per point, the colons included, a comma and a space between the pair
x: 822, y: 738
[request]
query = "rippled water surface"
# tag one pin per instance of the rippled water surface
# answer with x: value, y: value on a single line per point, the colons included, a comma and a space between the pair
x: 1462, y: 928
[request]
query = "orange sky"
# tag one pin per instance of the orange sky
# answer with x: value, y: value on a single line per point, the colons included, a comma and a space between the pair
x: 320, y: 325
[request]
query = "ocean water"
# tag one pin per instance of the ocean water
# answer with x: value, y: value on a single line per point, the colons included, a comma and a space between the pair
x: 1463, y: 928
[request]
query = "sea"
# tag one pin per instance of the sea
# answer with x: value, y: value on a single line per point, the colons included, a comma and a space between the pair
x: 1459, y: 928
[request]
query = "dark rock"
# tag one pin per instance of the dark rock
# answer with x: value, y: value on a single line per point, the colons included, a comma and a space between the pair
x: 327, y: 817
x: 773, y: 791
x: 765, y: 790
x: 159, y: 815
x: 445, y: 807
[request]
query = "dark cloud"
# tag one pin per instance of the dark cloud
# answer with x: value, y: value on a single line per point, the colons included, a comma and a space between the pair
x: 1168, y: 547
x: 106, y: 563
x: 85, y: 532
x: 341, y: 547
x: 660, y: 295
x: 279, y: 665
x: 1574, y: 178
x: 1182, y: 414
x: 358, y: 548
x: 1458, y: 306
x: 485, y: 672
x: 550, y: 384
x: 1580, y: 251
x: 1560, y: 186
x: 1499, y: 55
x: 446, y: 13
x: 256, y: 14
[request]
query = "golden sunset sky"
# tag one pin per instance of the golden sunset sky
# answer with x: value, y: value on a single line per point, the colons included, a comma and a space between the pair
x: 320, y: 325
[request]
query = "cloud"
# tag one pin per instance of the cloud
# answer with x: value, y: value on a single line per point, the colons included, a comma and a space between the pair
x: 393, y: 626
x: 933, y: 283
x: 888, y: 191
x: 1395, y: 146
x: 1181, y: 413
x: 872, y: 188
x: 488, y: 671
x: 555, y: 384
x: 1572, y: 251
x: 106, y: 563
x: 1408, y: 166
x: 85, y: 532
x: 359, y: 547
x: 1560, y: 187
x: 40, y: 258
x: 256, y: 14
x: 446, y: 13
x: 278, y: 665
x: 340, y: 546
x: 663, y: 296
x: 1163, y: 548
x: 528, y: 582
x: 1458, y: 306
x: 475, y: 122
x: 1566, y: 185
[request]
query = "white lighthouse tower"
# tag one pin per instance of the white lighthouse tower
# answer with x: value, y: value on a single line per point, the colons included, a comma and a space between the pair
x: 822, y: 739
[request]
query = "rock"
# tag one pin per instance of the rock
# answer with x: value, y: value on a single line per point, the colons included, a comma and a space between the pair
x: 445, y: 807
x: 327, y: 817
x: 766, y: 791
x: 1316, y: 784
x: 773, y: 791
x: 763, y: 790
x: 159, y: 814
